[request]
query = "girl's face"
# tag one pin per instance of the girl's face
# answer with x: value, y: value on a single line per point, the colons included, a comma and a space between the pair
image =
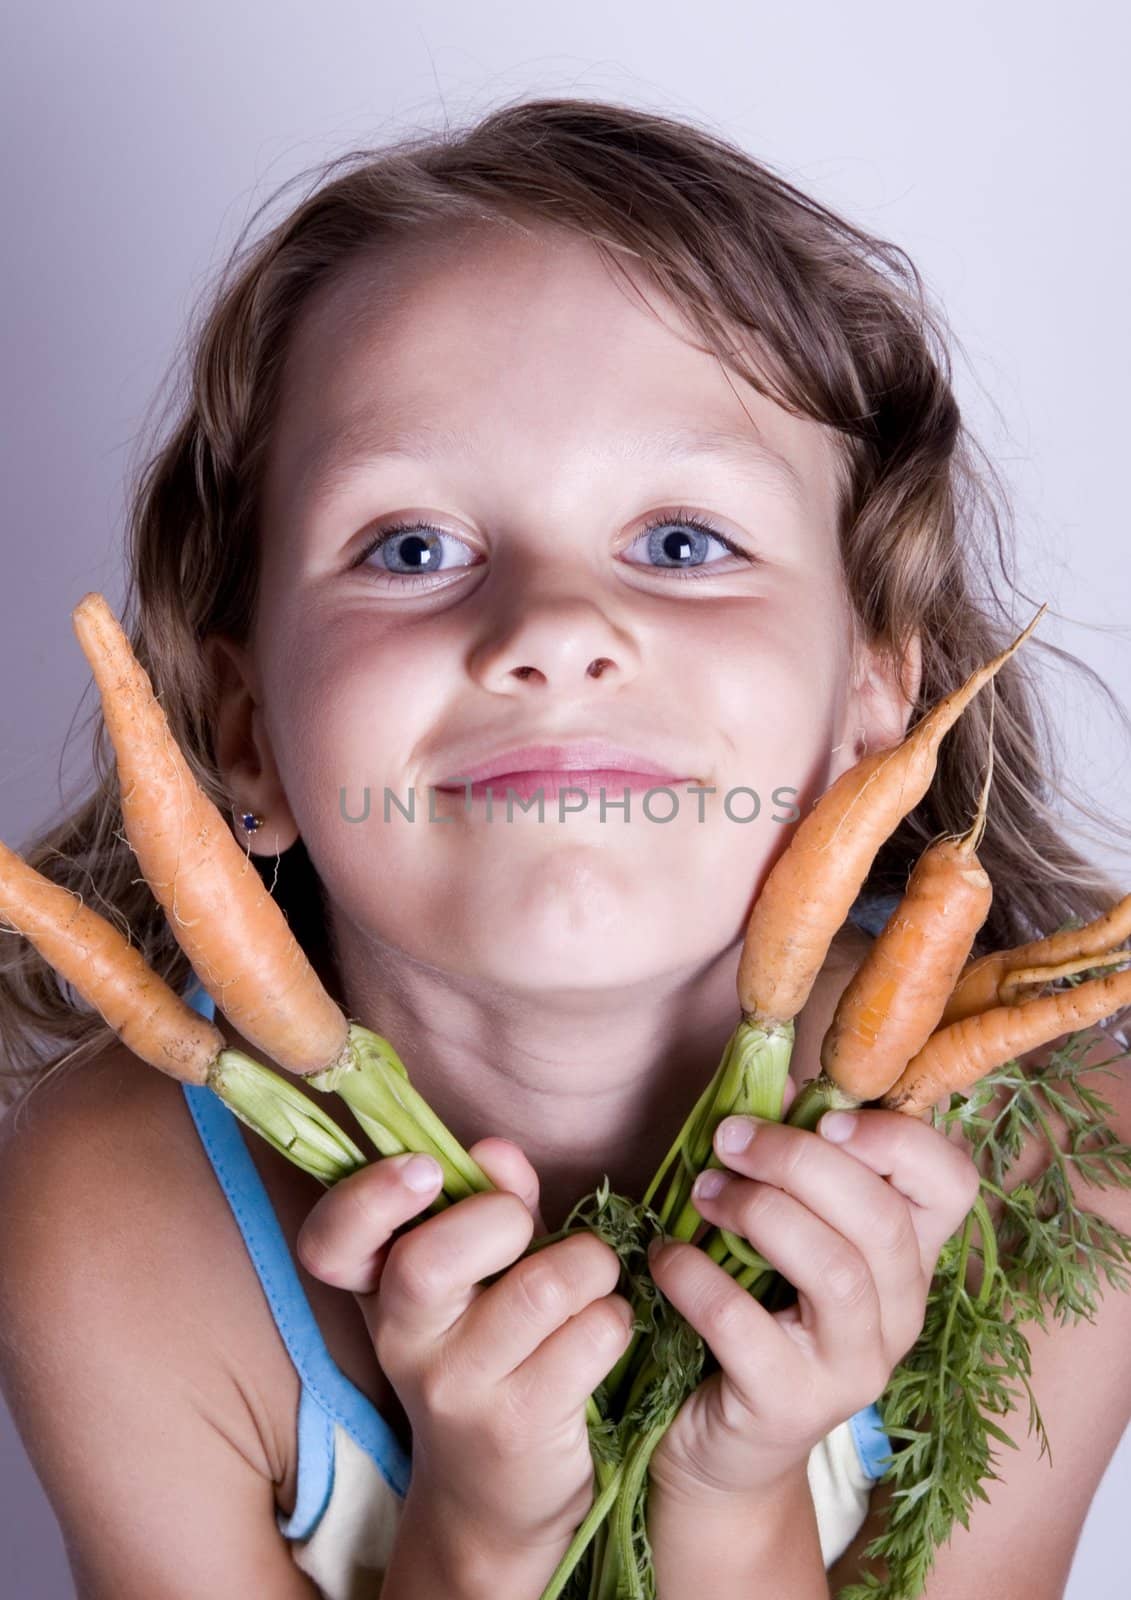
x: 531, y: 417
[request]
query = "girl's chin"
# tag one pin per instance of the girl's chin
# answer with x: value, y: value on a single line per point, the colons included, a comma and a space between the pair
x: 585, y: 964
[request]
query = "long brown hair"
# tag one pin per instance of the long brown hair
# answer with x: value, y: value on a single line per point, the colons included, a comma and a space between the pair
x: 847, y: 336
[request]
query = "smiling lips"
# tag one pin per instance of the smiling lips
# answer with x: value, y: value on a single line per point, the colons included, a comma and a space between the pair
x: 525, y: 785
x: 589, y: 765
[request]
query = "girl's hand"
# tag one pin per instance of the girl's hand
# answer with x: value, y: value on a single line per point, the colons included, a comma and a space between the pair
x: 494, y: 1380
x: 861, y: 1252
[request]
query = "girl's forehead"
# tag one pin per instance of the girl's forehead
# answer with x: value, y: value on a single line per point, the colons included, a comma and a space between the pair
x: 487, y: 335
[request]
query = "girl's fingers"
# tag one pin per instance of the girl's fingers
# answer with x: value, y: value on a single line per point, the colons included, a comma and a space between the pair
x: 868, y: 1220
x: 553, y: 1317
x: 939, y: 1179
x: 435, y: 1273
x: 758, y: 1358
x: 344, y: 1240
x: 567, y: 1366
x: 839, y: 1307
x: 897, y: 1233
x: 507, y: 1166
x: 833, y: 1179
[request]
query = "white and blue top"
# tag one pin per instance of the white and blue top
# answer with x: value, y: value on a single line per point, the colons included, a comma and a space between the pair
x: 353, y: 1473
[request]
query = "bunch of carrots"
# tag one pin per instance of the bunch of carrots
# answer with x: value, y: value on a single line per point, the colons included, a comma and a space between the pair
x: 919, y: 1022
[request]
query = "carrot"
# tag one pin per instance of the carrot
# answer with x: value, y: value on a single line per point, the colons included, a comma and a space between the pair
x: 955, y: 1057
x: 218, y: 907
x: 159, y: 1027
x: 813, y: 883
x: 888, y: 1011
x: 110, y: 973
x: 978, y: 986
x: 234, y: 933
x: 1012, y: 987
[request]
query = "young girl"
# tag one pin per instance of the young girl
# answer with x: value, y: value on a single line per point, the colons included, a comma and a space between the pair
x: 582, y: 455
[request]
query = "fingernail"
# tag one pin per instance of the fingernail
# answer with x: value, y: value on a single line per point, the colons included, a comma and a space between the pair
x: 707, y: 1184
x: 654, y: 1248
x: 734, y: 1133
x: 421, y: 1174
x: 837, y: 1126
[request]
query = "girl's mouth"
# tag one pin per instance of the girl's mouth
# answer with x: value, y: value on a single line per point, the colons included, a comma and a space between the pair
x: 590, y: 782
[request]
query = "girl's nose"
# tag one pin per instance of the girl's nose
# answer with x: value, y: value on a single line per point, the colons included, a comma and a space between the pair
x: 559, y: 643
x: 593, y: 670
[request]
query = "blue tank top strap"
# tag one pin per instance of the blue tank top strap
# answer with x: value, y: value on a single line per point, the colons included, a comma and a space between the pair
x: 872, y: 1444
x: 871, y: 911
x: 327, y: 1395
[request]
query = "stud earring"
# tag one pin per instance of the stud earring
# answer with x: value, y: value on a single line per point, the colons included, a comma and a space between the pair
x: 250, y: 821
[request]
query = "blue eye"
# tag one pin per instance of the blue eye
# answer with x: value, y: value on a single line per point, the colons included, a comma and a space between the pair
x: 422, y: 553
x: 677, y: 547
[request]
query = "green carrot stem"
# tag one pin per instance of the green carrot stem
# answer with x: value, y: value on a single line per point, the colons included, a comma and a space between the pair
x: 278, y: 1110
x: 688, y: 1131
x: 627, y: 1366
x: 981, y: 1215
x: 603, y: 1584
x: 754, y: 1282
x: 604, y: 1470
x: 744, y: 1253
x: 819, y: 1095
x: 598, y: 1511
x: 757, y: 1069
x: 751, y: 1076
x: 643, y: 1380
x: 624, y: 1487
x: 632, y: 1491
x: 375, y: 1086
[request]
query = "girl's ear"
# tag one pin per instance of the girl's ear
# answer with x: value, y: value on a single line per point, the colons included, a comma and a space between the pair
x: 882, y: 700
x: 243, y: 750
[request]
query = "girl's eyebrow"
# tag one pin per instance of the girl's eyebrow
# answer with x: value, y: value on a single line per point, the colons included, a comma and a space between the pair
x: 335, y: 452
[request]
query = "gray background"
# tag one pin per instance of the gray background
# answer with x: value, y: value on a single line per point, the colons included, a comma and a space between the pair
x: 989, y: 141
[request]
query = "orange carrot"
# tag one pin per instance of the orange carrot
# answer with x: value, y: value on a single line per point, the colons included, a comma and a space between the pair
x: 978, y: 986
x: 810, y: 888
x: 159, y: 1027
x: 955, y: 1057
x: 110, y: 973
x: 1014, y: 986
x: 218, y: 907
x: 888, y: 1011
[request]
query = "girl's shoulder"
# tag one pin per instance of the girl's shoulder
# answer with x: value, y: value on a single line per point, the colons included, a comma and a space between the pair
x: 107, y: 1189
x: 138, y: 1360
